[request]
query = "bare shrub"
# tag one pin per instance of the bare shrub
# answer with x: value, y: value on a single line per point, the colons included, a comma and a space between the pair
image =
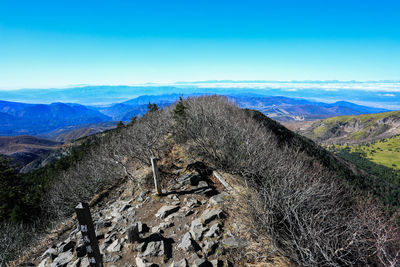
x: 80, y: 183
x: 306, y: 209
x: 385, y: 241
x: 109, y: 161
x: 14, y: 240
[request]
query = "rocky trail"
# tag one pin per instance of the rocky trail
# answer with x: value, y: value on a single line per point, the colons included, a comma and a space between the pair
x: 188, y: 225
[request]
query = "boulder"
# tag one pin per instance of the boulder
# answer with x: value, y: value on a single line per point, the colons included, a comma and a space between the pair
x: 197, y: 229
x: 188, y: 244
x: 63, y: 259
x: 114, y: 247
x: 218, y: 199
x: 210, y: 247
x: 166, y: 210
x: 181, y: 263
x: 153, y: 249
x: 215, y: 230
x: 234, y: 242
x: 210, y: 215
x: 51, y: 252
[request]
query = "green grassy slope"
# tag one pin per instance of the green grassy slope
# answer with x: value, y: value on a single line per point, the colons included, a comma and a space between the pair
x: 385, y: 152
x: 353, y: 129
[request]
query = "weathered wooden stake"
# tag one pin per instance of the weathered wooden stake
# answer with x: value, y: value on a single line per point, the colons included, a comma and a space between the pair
x: 156, y: 176
x: 89, y: 235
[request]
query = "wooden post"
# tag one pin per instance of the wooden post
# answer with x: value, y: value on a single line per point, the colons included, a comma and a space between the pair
x: 89, y: 235
x: 156, y: 176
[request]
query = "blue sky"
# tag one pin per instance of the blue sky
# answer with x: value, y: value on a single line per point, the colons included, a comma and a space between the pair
x: 62, y: 43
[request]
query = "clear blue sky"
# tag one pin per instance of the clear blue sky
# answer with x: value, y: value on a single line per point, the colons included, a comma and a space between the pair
x: 68, y: 42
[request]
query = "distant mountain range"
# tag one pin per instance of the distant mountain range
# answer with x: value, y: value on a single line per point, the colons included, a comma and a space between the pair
x: 291, y: 109
x: 35, y: 119
x: 49, y: 120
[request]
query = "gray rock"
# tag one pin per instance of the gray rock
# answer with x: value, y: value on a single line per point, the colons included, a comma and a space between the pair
x: 76, y: 263
x: 63, y: 259
x: 197, y: 229
x: 234, y: 242
x: 188, y: 244
x: 162, y: 226
x: 143, y: 263
x: 103, y: 224
x: 153, y: 249
x: 215, y: 230
x: 114, y: 247
x: 181, y: 263
x: 166, y: 210
x: 84, y: 262
x: 210, y: 215
x: 218, y: 199
x: 44, y: 263
x: 202, y: 184
x: 51, y: 252
x: 188, y: 213
x: 210, y: 247
x: 116, y: 258
x: 192, y: 203
x: 124, y: 207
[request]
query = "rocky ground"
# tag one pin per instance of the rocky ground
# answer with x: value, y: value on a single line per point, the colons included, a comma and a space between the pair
x: 189, y: 225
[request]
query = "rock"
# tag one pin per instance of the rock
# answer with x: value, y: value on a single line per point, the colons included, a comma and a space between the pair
x: 114, y: 247
x: 210, y: 247
x: 141, y: 247
x: 85, y: 262
x: 218, y: 199
x: 51, y: 252
x: 202, y: 184
x: 215, y: 230
x: 162, y: 226
x: 124, y: 207
x: 63, y: 259
x: 99, y: 236
x: 188, y: 213
x: 207, y: 191
x: 153, y: 249
x: 116, y: 258
x: 143, y: 263
x: 44, y: 263
x: 166, y: 210
x: 103, y: 224
x: 181, y: 263
x: 110, y: 238
x: 201, y: 263
x: 233, y: 242
x: 192, y: 203
x: 197, y: 229
x: 210, y: 215
x: 188, y: 244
